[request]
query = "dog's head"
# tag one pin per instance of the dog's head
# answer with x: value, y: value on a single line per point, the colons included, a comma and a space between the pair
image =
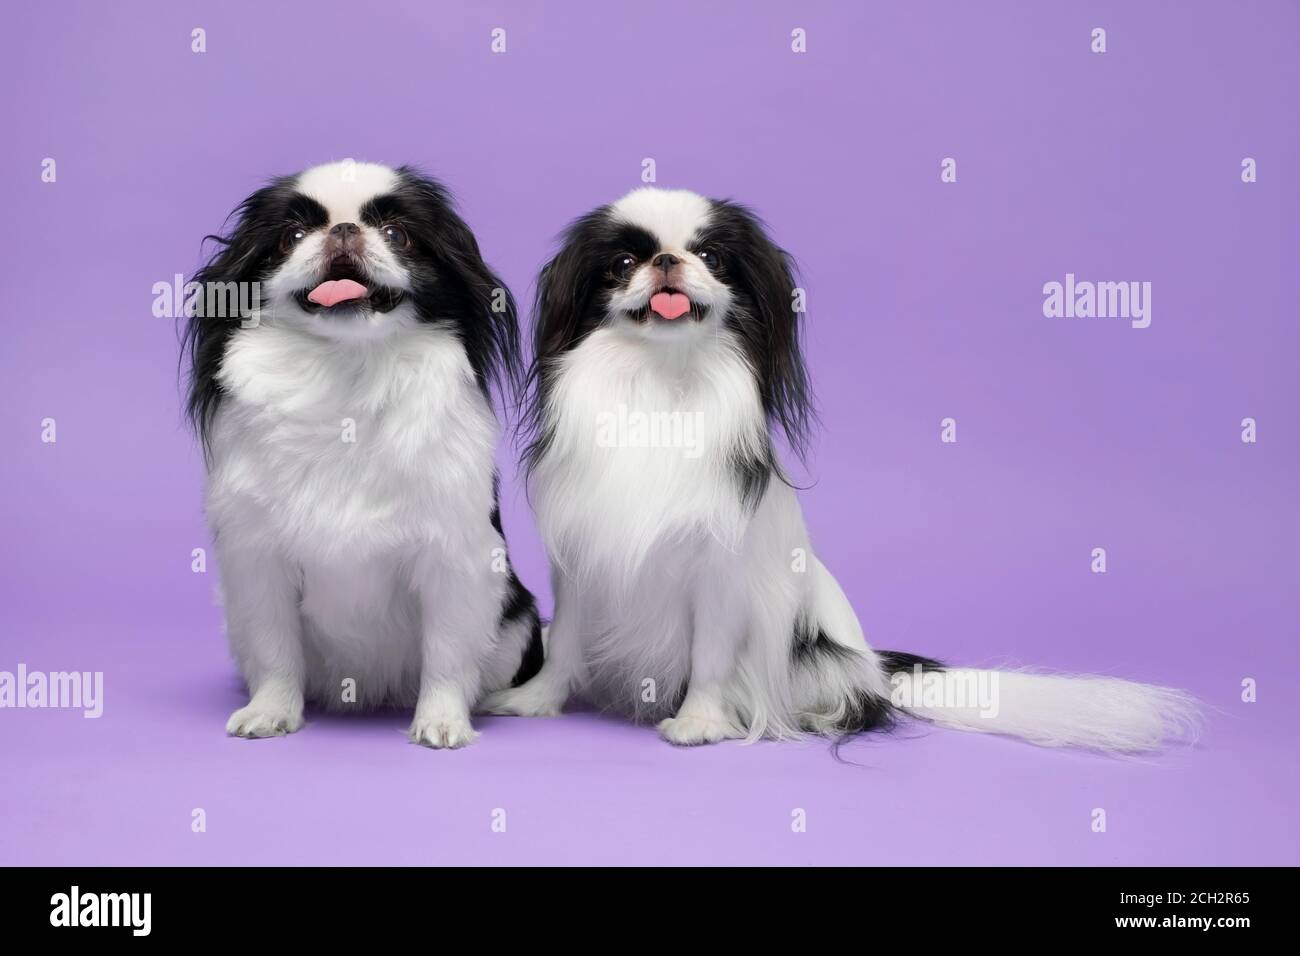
x: 667, y: 267
x: 351, y: 252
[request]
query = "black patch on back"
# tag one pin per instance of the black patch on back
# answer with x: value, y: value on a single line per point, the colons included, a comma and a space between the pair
x: 866, y: 712
x: 894, y: 661
x: 518, y: 605
x: 519, y: 600
x: 753, y: 473
x: 495, y: 516
x: 533, y: 657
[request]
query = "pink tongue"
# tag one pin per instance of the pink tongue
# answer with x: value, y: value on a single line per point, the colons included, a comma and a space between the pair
x: 336, y: 291
x: 670, y: 305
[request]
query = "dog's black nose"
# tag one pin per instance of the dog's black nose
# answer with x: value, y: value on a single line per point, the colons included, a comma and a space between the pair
x: 665, y: 261
x: 346, y: 229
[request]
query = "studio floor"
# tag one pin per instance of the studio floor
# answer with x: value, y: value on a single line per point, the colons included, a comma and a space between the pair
x: 124, y: 789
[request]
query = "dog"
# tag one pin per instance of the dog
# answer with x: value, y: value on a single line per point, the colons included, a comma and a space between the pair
x: 687, y: 591
x: 349, y: 435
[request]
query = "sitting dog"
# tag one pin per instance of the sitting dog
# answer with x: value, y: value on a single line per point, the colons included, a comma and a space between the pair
x: 349, y: 436
x: 686, y: 588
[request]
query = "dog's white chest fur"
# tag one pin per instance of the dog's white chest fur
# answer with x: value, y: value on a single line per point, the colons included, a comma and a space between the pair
x: 639, y: 502
x: 345, y: 452
x: 643, y: 449
x: 356, y: 466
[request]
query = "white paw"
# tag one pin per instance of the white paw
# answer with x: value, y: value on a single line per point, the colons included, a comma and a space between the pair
x: 530, y: 700
x: 687, y: 731
x: 262, y: 720
x: 442, y: 731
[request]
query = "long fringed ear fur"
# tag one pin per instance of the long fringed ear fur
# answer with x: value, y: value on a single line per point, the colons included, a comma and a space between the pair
x: 563, y: 313
x: 244, y: 254
x: 464, y: 290
x: 767, y: 318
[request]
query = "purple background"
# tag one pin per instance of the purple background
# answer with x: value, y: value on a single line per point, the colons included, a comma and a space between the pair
x: 925, y: 302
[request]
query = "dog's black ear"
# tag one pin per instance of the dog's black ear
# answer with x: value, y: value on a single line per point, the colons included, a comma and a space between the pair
x: 464, y: 290
x: 563, y: 313
x: 245, y: 253
x: 767, y: 317
x: 562, y: 308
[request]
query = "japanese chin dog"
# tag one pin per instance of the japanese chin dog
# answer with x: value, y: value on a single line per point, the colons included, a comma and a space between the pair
x: 349, y: 436
x: 667, y: 355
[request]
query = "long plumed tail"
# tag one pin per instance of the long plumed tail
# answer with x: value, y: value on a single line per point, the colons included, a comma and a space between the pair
x: 1094, y: 713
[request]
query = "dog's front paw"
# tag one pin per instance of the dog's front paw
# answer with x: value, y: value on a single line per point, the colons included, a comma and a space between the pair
x: 688, y: 730
x: 531, y: 700
x: 263, y: 720
x: 442, y: 731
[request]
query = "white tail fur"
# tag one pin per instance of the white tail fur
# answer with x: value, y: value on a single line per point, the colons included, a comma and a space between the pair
x: 1096, y: 713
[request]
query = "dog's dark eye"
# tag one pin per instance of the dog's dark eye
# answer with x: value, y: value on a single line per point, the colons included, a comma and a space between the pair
x: 709, y: 256
x: 622, y: 265
x: 291, y: 237
x: 396, y: 236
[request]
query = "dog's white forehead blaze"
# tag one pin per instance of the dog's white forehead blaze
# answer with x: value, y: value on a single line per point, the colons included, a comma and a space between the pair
x: 344, y: 187
x: 673, y: 216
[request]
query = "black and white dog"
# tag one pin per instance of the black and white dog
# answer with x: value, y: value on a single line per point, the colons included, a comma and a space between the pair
x: 350, y: 435
x: 667, y: 354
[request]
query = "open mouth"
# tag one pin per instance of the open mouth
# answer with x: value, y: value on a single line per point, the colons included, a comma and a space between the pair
x: 345, y: 290
x: 669, y: 305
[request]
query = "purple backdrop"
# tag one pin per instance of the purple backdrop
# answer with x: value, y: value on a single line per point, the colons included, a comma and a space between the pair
x: 925, y: 300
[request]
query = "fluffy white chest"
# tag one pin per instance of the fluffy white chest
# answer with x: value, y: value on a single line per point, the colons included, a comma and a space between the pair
x: 643, y: 450
x: 341, y: 452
